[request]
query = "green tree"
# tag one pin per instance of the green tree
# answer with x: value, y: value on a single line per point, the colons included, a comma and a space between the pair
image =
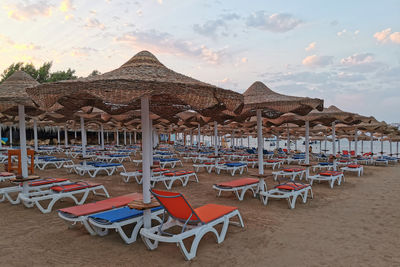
x: 62, y: 75
x: 94, y: 73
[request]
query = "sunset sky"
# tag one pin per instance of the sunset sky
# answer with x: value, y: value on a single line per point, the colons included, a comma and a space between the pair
x: 346, y: 52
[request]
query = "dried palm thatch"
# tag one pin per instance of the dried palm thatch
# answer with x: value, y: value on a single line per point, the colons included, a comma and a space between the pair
x: 273, y: 105
x: 12, y: 94
x: 120, y: 90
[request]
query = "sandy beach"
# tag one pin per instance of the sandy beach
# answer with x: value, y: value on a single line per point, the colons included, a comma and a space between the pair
x: 355, y: 224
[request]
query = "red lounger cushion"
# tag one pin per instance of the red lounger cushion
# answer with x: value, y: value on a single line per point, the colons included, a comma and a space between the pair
x: 293, y: 170
x: 272, y: 161
x: 252, y: 160
x: 5, y: 174
x: 47, y: 181
x: 102, y: 205
x: 330, y: 173
x: 73, y: 187
x: 176, y: 173
x: 354, y: 166
x: 209, y: 163
x: 211, y: 212
x: 239, y: 182
x: 291, y: 186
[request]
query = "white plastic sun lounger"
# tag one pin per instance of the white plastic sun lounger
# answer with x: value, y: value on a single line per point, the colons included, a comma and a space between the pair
x: 329, y: 176
x: 359, y: 169
x: 292, y: 173
x: 231, y: 167
x: 169, y: 178
x: 239, y: 187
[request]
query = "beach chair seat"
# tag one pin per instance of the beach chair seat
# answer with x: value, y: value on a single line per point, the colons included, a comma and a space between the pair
x: 116, y: 219
x: 8, y: 193
x: 137, y: 162
x: 58, y: 163
x: 238, y: 187
x: 168, y: 178
x: 323, y: 165
x: 359, y: 169
x: 274, y: 163
x: 290, y: 172
x: 171, y: 162
x: 6, y: 176
x: 93, y: 168
x: 231, y: 167
x: 80, y: 214
x: 126, y: 176
x: 289, y: 191
x: 208, y: 166
x: 63, y: 191
x: 193, y: 222
x: 381, y: 161
x: 330, y: 176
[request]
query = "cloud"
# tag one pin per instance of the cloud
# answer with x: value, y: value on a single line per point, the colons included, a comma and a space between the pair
x: 317, y: 61
x: 395, y: 37
x: 94, y: 23
x: 278, y: 22
x: 358, y: 59
x: 162, y: 42
x: 363, y: 62
x: 27, y: 10
x: 82, y: 51
x: 382, y: 35
x: 210, y: 28
x: 341, y: 32
x: 311, y: 46
x: 66, y: 5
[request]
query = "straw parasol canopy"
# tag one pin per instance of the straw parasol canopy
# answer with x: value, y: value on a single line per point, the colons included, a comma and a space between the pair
x: 12, y: 94
x: 120, y: 90
x: 259, y: 96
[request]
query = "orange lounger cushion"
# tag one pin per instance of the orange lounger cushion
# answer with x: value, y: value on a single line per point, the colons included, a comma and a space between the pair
x: 47, y: 181
x: 102, y: 205
x: 252, y: 160
x: 209, y: 163
x: 293, y: 170
x: 291, y: 186
x: 73, y: 186
x: 177, y: 173
x: 330, y: 173
x: 354, y: 165
x: 239, y: 182
x: 211, y: 212
x: 272, y: 161
x: 5, y: 174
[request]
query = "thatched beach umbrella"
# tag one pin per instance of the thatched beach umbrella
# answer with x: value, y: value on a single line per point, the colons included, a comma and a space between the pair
x: 261, y: 101
x: 141, y: 83
x: 13, y: 100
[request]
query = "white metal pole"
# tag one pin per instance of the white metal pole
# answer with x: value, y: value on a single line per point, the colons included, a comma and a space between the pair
x: 58, y: 136
x: 124, y: 137
x: 134, y: 137
x: 11, y: 136
x: 356, y: 143
x: 372, y: 143
x: 146, y: 146
x: 260, y: 142
x: 334, y: 145
x: 215, y: 138
x: 66, y: 135
x: 338, y: 145
x: 307, y: 145
x: 382, y: 145
x: 248, y: 141
x: 22, y: 141
x: 99, y: 137
x: 75, y: 134
x: 390, y: 143
x: 83, y: 136
x: 107, y: 136
x: 130, y: 138
x: 102, y: 136
x: 198, y: 136
x: 117, y: 137
x: 35, y: 135
x: 288, y: 139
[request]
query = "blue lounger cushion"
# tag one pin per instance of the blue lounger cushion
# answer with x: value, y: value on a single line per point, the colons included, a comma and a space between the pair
x: 104, y: 164
x: 234, y: 164
x: 168, y: 160
x: 120, y: 214
x: 325, y: 163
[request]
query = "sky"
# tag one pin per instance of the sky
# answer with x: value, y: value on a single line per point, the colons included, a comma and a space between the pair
x: 345, y: 52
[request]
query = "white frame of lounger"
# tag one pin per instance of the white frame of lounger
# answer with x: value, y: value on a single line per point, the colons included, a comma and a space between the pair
x: 5, y: 192
x: 109, y: 159
x: 42, y: 164
x: 273, y: 164
x: 239, y: 191
x: 231, y: 169
x: 169, y: 180
x: 359, y: 170
x: 172, y: 163
x: 151, y: 237
x: 103, y: 229
x: 292, y: 174
x: 6, y: 178
x: 330, y: 179
x: 291, y: 196
x: 92, y: 170
x: 33, y: 199
x: 322, y: 167
x: 207, y: 167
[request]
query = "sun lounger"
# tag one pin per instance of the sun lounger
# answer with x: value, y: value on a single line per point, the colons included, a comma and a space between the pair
x: 381, y: 161
x: 193, y: 222
x: 126, y: 176
x: 79, y: 214
x: 231, y: 167
x: 238, y: 187
x: 354, y: 168
x: 168, y: 178
x: 37, y: 185
x: 289, y: 191
x: 58, y: 163
x: 292, y: 173
x: 115, y: 157
x: 58, y: 192
x: 94, y: 167
x: 116, y: 219
x: 323, y: 165
x: 208, y: 166
x: 274, y: 163
x: 329, y: 176
x: 171, y: 162
x: 6, y: 176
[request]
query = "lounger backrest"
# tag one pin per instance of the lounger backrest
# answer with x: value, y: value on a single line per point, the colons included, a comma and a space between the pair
x: 176, y: 205
x: 345, y: 152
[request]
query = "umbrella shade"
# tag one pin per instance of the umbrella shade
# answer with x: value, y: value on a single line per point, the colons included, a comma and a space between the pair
x: 120, y: 90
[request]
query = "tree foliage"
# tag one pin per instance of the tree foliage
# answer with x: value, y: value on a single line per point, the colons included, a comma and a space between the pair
x: 41, y: 74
